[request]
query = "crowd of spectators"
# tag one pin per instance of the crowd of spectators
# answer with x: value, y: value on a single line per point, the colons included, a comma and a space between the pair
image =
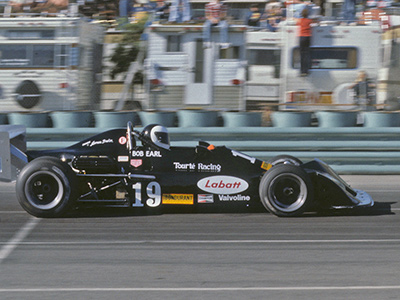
x: 259, y: 16
x: 179, y: 11
x: 266, y: 16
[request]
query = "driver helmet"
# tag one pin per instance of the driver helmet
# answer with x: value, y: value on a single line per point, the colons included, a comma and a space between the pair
x: 158, y: 135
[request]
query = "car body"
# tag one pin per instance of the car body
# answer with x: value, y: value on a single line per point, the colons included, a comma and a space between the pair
x: 124, y: 168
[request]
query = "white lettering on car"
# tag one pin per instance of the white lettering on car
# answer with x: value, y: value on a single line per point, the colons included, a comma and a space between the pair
x: 200, y: 167
x: 137, y: 153
x: 184, y: 167
x: 153, y: 193
x: 95, y: 143
x: 153, y: 154
x: 209, y: 167
x: 148, y: 153
x: 233, y: 198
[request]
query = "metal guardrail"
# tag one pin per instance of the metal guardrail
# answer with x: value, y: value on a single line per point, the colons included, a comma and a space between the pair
x: 351, y: 150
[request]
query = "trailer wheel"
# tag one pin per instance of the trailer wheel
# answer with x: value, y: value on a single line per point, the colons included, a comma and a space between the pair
x: 286, y: 190
x: 28, y: 94
x: 46, y: 187
x: 284, y: 159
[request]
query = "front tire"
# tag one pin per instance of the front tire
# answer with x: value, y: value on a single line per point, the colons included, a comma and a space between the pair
x: 286, y: 190
x: 46, y: 187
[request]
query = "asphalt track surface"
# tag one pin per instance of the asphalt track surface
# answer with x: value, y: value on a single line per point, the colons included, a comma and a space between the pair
x: 344, y: 255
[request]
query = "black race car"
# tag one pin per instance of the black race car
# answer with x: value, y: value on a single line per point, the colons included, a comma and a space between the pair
x: 127, y: 168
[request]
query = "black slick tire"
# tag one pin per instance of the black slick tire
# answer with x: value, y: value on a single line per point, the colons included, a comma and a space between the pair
x: 46, y: 187
x: 284, y: 159
x: 286, y: 190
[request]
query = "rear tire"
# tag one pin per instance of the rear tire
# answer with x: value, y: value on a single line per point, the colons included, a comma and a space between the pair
x: 286, y: 190
x: 46, y: 187
x: 284, y: 159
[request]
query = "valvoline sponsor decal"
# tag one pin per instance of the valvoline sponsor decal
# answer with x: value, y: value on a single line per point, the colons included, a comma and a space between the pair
x: 222, y: 185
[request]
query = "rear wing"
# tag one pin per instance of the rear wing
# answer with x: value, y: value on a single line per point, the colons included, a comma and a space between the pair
x: 12, y: 151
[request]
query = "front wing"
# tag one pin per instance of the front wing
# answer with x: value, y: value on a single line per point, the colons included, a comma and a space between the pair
x: 332, y: 191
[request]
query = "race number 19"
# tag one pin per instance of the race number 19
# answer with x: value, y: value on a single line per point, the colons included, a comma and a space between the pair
x: 153, y: 192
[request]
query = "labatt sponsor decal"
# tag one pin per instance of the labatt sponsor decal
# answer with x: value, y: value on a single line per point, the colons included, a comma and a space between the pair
x: 222, y: 185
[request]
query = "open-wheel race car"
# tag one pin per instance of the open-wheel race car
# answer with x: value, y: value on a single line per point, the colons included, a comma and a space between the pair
x: 140, y: 170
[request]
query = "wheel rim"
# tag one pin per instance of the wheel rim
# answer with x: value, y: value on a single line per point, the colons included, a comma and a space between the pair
x: 287, y: 192
x: 286, y: 161
x: 44, y: 190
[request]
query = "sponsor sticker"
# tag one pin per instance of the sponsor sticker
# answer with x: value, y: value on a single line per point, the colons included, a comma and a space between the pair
x: 123, y: 158
x: 183, y: 199
x: 205, y: 198
x: 234, y: 198
x: 190, y: 167
x: 209, y: 167
x: 136, y: 162
x: 122, y: 140
x: 266, y: 166
x: 184, y: 167
x: 222, y: 185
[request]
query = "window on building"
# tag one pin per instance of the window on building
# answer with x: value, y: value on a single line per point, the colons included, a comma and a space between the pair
x: 30, y: 34
x: 390, y: 54
x: 265, y: 57
x: 13, y: 56
x: 174, y: 43
x: 230, y: 53
x: 62, y: 55
x: 29, y: 56
x: 199, y: 62
x: 328, y: 58
x: 42, y: 55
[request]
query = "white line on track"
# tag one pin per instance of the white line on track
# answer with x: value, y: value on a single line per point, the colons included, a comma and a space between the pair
x: 140, y: 242
x: 172, y: 289
x: 18, y: 238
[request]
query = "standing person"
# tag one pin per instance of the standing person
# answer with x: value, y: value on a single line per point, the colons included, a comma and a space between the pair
x: 215, y: 16
x: 304, y: 34
x: 253, y: 16
x: 321, y: 4
x: 363, y: 90
x: 161, y: 11
x: 273, y: 13
x: 349, y: 11
x: 125, y: 7
x: 180, y: 11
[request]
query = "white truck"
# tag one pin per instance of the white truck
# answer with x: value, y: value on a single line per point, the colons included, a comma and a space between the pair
x: 49, y: 63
